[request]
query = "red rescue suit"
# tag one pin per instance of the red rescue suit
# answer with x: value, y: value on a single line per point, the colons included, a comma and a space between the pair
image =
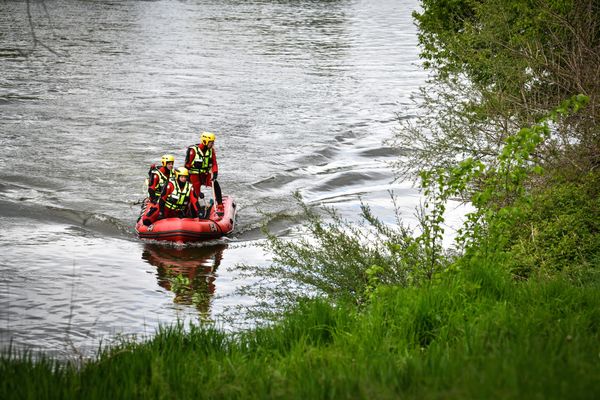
x: 201, y: 161
x: 158, y: 179
x: 178, y: 200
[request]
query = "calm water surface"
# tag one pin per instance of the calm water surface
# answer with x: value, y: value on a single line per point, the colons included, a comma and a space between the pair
x: 301, y: 96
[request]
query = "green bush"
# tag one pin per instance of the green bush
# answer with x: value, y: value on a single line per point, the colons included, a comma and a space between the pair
x: 560, y: 230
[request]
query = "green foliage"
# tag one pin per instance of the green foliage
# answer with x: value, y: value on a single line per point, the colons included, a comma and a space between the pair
x: 180, y: 284
x: 478, y: 334
x: 191, y: 291
x: 344, y: 261
x: 499, y: 65
x: 373, y: 280
x: 501, y: 197
x: 558, y: 231
x: 513, y: 47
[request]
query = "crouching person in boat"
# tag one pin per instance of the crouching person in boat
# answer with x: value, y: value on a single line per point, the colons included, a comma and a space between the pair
x: 177, y: 200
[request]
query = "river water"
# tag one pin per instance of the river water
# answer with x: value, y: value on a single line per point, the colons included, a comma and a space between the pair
x: 300, y: 94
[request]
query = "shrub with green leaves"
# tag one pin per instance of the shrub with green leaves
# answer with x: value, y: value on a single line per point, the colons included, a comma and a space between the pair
x: 497, y: 66
x: 343, y: 260
x: 559, y: 231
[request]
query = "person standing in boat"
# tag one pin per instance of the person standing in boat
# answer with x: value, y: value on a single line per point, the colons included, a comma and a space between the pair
x: 159, y: 177
x: 177, y: 200
x: 201, y: 160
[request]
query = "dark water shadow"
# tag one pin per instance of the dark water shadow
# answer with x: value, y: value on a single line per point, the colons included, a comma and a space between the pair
x: 188, y: 272
x: 84, y: 222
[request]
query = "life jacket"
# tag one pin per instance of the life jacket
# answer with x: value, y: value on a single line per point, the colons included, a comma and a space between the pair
x: 205, y: 160
x: 180, y: 197
x: 162, y: 179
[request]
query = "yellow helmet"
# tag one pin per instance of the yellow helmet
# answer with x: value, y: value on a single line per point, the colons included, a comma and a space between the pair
x: 167, y: 158
x: 181, y: 171
x: 207, y: 137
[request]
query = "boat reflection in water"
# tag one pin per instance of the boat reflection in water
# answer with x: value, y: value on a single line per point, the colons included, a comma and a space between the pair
x: 188, y: 272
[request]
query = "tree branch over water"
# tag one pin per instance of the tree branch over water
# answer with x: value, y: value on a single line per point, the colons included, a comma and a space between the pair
x: 36, y: 40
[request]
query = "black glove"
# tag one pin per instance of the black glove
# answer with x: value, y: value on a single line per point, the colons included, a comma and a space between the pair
x: 215, y: 174
x: 200, y: 195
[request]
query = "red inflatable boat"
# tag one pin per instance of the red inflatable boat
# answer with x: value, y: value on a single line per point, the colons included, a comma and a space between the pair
x: 190, y: 229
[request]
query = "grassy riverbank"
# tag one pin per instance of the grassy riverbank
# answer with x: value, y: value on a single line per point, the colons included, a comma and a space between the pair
x: 476, y: 334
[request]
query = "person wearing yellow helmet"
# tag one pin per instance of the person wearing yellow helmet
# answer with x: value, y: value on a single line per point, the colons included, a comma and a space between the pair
x: 158, y: 177
x: 177, y: 200
x: 201, y: 160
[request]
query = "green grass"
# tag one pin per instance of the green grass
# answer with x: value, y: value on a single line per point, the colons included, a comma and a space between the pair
x: 476, y: 334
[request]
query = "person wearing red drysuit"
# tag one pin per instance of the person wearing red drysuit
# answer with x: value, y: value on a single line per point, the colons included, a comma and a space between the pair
x: 159, y: 177
x: 201, y: 161
x: 177, y: 200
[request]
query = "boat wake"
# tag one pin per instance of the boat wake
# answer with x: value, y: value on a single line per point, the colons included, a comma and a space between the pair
x: 83, y: 222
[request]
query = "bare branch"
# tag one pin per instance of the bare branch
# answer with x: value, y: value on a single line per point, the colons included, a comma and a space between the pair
x: 36, y: 40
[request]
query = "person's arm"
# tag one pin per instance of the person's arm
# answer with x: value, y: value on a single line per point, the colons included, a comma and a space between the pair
x: 189, y: 157
x: 168, y: 189
x: 152, y: 188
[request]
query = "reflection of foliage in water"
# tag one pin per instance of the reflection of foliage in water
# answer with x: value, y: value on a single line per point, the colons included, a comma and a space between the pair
x: 194, y: 291
x: 188, y: 272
